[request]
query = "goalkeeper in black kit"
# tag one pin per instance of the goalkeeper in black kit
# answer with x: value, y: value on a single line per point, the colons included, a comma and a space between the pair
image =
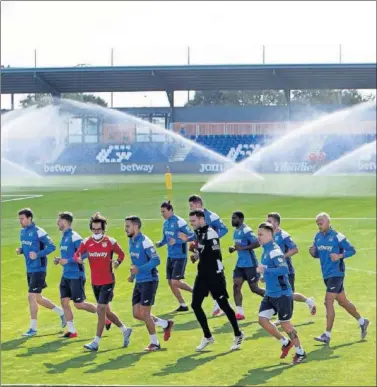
x: 210, y: 279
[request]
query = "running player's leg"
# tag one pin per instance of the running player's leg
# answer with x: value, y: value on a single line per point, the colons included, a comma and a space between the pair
x: 268, y: 309
x: 101, y: 312
x: 87, y: 306
x: 169, y: 277
x: 36, y: 283
x: 252, y: 278
x: 145, y: 300
x: 200, y: 292
x: 230, y: 314
x: 345, y: 303
x: 330, y: 310
x: 177, y: 274
x: 104, y: 295
x: 285, y: 312
x: 299, y: 297
x: 66, y: 294
x: 333, y: 288
x: 65, y: 302
x: 80, y: 297
x: 71, y: 330
x: 237, y: 295
x: 115, y: 320
x: 218, y: 290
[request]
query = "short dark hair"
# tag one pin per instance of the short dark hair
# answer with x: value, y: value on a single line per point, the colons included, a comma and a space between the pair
x: 167, y: 205
x: 134, y: 220
x: 274, y: 215
x: 27, y: 212
x: 198, y: 213
x: 68, y: 216
x: 267, y: 226
x: 239, y: 214
x: 195, y: 199
x: 98, y: 218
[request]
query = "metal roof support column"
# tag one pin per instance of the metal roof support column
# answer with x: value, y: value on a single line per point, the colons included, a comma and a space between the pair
x: 56, y: 98
x: 170, y: 94
x: 287, y: 94
x: 12, y: 101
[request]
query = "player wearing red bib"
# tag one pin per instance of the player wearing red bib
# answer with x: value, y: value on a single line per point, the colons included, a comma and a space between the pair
x: 100, y: 249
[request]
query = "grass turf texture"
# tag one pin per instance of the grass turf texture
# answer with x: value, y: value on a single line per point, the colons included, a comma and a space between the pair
x: 48, y: 359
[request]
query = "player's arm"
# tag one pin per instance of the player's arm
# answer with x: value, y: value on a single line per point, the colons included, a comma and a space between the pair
x: 220, y: 227
x: 313, y: 250
x: 154, y: 260
x: 80, y: 252
x: 163, y: 240
x: 77, y: 244
x: 186, y: 230
x: 118, y: 251
x: 47, y: 242
x: 252, y: 240
x: 192, y: 238
x: 280, y: 264
x: 292, y: 247
x: 347, y: 247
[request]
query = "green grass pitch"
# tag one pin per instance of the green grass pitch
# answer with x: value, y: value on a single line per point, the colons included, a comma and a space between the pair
x: 48, y: 359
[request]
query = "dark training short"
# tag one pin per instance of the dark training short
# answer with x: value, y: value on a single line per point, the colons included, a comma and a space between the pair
x: 282, y: 306
x: 144, y: 293
x: 36, y: 281
x: 334, y: 285
x: 73, y: 289
x: 175, y: 268
x: 248, y: 274
x: 104, y: 293
x: 291, y: 278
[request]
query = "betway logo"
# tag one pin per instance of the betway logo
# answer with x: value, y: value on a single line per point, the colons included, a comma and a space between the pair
x: 98, y: 255
x: 148, y: 168
x: 293, y: 167
x: 169, y: 233
x: 60, y: 168
x: 136, y: 255
x: 27, y: 243
x: 367, y: 166
x: 211, y: 168
x: 324, y: 248
x: 63, y: 248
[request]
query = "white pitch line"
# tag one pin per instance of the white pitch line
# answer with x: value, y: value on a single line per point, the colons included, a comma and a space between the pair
x: 20, y: 198
x: 364, y: 271
x: 8, y: 195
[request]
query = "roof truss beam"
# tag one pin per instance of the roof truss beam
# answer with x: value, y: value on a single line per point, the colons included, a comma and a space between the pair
x: 46, y: 85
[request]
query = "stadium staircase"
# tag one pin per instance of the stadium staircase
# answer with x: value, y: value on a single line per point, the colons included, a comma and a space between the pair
x: 181, y: 152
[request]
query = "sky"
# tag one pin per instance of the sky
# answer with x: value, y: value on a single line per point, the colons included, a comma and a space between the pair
x: 160, y: 32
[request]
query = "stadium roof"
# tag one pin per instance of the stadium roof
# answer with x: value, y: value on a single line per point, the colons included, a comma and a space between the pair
x: 190, y: 77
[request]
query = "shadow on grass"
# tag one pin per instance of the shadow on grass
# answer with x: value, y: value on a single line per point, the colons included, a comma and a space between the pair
x: 76, y: 362
x: 121, y: 362
x: 188, y: 363
x: 17, y: 343
x: 49, y: 347
x: 259, y: 376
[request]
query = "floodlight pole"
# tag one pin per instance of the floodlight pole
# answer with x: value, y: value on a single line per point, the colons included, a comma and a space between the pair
x: 112, y: 64
x: 188, y: 62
